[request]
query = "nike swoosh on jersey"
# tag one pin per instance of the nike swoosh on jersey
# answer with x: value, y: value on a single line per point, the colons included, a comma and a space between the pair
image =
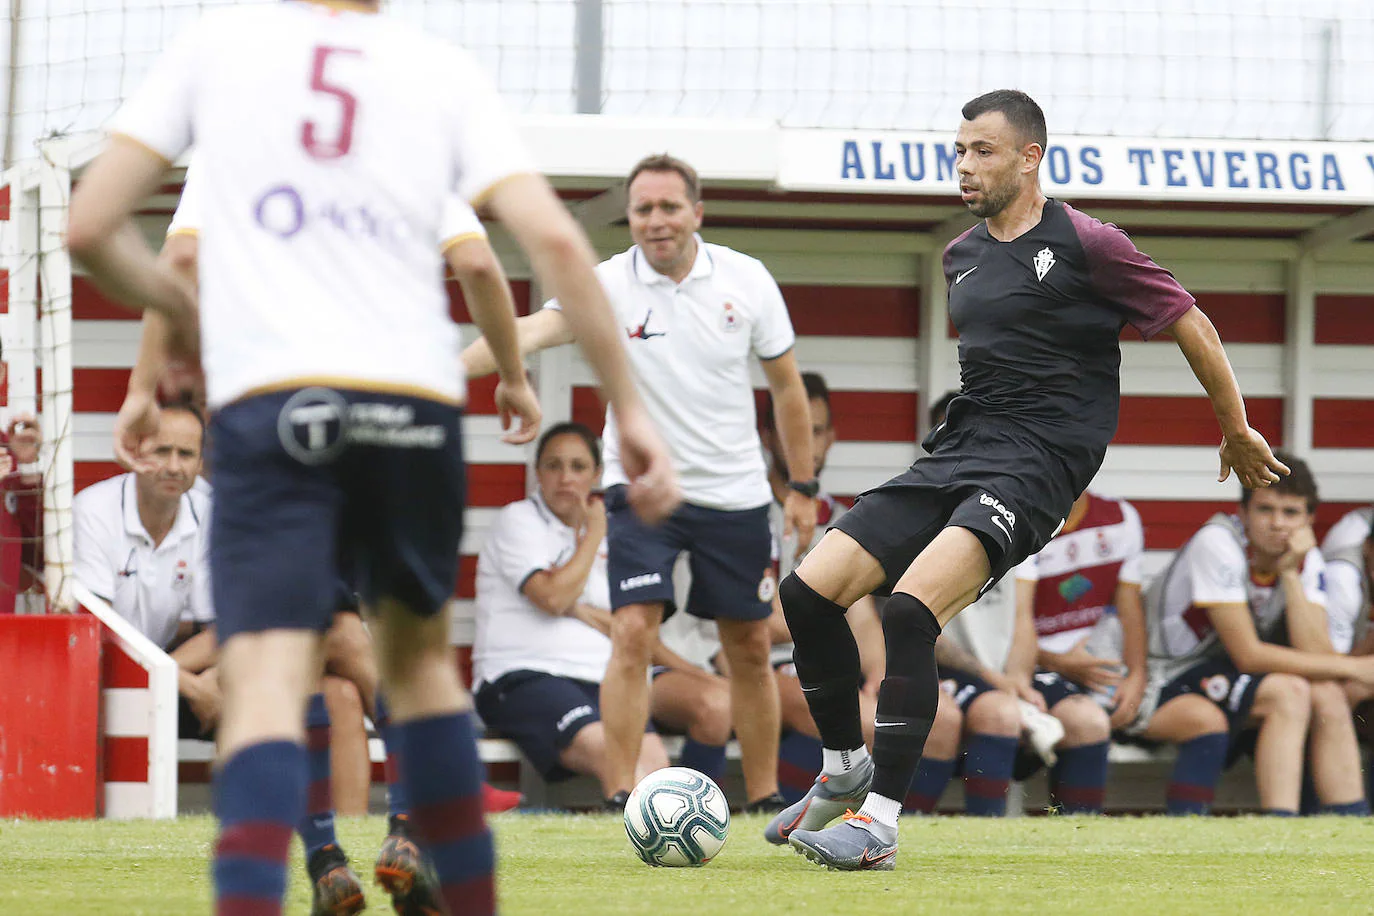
x: 959, y: 278
x: 998, y: 522
x: 886, y: 724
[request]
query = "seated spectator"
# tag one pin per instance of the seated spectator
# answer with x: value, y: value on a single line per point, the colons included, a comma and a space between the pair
x: 21, y: 517
x: 1238, y: 618
x: 1349, y: 554
x: 541, y: 646
x: 1087, y: 576
x: 140, y: 543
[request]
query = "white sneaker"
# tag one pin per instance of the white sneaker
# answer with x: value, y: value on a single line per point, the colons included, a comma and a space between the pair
x: 1042, y: 730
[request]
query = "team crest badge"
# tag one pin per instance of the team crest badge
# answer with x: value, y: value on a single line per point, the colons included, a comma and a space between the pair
x: 1044, y: 260
x: 1216, y: 688
x: 182, y: 574
x: 730, y: 320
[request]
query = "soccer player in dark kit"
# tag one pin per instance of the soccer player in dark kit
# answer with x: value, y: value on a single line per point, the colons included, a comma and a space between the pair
x: 1039, y: 293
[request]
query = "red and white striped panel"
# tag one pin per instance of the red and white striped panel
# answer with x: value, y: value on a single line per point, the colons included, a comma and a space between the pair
x: 138, y: 715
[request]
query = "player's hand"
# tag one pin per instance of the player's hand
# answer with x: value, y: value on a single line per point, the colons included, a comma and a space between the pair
x: 136, y: 421
x: 516, y: 399
x: 653, y: 491
x: 799, y: 519
x: 1082, y: 667
x: 1032, y: 696
x: 25, y: 438
x: 1299, y: 543
x: 1128, y: 697
x: 1251, y: 458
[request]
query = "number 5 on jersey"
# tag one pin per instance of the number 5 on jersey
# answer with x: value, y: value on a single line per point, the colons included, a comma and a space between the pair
x: 338, y: 146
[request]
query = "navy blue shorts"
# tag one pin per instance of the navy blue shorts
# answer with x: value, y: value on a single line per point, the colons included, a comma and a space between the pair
x: 964, y: 687
x: 1056, y: 688
x: 729, y: 554
x: 541, y: 713
x: 318, y: 486
x: 1218, y: 680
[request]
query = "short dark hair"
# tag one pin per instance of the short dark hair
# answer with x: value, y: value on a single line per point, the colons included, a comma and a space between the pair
x: 941, y: 407
x: 664, y: 162
x: 1021, y: 111
x: 186, y: 405
x: 581, y: 430
x: 1299, y: 483
x: 816, y: 390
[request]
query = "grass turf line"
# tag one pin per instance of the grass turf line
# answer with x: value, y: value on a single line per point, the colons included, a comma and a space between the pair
x: 573, y: 865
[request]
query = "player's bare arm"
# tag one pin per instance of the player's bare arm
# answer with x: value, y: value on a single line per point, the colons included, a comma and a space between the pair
x: 1308, y: 626
x: 488, y: 296
x: 103, y: 239
x: 1021, y: 657
x: 1130, y: 610
x: 564, y: 262
x: 543, y: 330
x: 793, y: 413
x: 1242, y: 448
x: 1236, y: 628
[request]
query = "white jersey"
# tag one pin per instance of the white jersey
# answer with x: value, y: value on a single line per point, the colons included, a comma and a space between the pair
x: 460, y: 221
x: 513, y: 634
x: 154, y: 587
x: 689, y: 346
x: 1210, y: 570
x: 328, y: 142
x: 1347, y: 584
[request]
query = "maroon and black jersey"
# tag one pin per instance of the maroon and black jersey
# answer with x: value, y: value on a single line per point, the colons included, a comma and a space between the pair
x: 1039, y: 320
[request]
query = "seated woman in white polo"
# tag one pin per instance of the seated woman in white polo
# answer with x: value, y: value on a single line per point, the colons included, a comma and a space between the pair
x: 542, y: 616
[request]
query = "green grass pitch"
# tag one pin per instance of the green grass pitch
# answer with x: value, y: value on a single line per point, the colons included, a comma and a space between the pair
x: 573, y: 865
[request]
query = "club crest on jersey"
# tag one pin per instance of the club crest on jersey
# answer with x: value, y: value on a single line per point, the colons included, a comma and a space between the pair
x: 1044, y: 260
x: 1216, y: 688
x: 730, y: 320
x: 182, y: 574
x: 768, y: 586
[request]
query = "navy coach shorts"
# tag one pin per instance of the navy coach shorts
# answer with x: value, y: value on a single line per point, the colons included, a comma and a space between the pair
x: 730, y: 557
x: 317, y: 486
x: 993, y: 479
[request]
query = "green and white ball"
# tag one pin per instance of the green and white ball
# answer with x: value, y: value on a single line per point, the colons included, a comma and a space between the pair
x: 677, y: 817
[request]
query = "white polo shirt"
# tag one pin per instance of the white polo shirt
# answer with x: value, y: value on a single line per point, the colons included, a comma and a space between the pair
x: 1346, y: 600
x: 689, y: 344
x: 154, y: 587
x: 513, y: 634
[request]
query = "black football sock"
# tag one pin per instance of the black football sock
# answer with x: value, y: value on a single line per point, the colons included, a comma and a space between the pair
x: 827, y: 660
x: 908, y: 696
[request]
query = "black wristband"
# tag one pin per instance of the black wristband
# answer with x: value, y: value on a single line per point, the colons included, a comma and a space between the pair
x: 807, y: 488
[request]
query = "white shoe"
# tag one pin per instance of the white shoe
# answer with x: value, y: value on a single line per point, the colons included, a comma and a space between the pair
x: 1042, y: 730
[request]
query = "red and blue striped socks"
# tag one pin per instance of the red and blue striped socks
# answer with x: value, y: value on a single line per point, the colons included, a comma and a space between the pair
x: 1078, y: 782
x: 259, y: 799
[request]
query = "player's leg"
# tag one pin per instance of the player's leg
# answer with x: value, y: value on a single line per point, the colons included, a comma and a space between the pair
x: 1282, y: 708
x: 992, y: 724
x: 1078, y: 780
x: 640, y: 560
x: 697, y: 704
x: 1200, y: 730
x: 272, y: 559
x: 941, y: 756
x: 334, y: 887
x: 754, y: 706
x: 625, y: 691
x: 1335, y: 752
x: 835, y: 574
x: 350, y: 766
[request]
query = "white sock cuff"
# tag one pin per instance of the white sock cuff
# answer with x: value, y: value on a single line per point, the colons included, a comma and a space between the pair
x: 882, y: 809
x: 836, y: 762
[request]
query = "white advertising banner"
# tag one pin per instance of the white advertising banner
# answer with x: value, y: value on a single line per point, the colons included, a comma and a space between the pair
x: 900, y: 162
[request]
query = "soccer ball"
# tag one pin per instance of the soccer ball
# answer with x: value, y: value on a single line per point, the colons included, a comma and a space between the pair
x: 677, y: 817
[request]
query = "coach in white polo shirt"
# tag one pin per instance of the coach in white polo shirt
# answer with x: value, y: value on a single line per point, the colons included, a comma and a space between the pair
x: 694, y: 313
x: 141, y: 544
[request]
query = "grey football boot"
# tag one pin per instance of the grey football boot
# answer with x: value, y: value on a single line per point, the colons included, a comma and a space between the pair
x: 828, y: 798
x: 852, y: 845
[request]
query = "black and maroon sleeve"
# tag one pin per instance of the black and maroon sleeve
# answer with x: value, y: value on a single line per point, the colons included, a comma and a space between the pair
x: 1146, y: 293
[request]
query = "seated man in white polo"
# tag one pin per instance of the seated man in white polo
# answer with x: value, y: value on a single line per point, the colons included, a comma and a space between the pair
x: 140, y: 544
x: 543, y: 617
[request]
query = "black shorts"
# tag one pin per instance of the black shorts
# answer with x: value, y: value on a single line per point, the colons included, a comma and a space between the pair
x: 729, y: 554
x: 1218, y: 680
x: 1056, y: 688
x: 963, y: 687
x: 996, y: 480
x: 320, y: 486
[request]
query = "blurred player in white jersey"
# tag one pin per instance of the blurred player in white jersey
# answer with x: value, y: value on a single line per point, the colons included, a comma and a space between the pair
x: 328, y: 353
x: 348, y: 651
